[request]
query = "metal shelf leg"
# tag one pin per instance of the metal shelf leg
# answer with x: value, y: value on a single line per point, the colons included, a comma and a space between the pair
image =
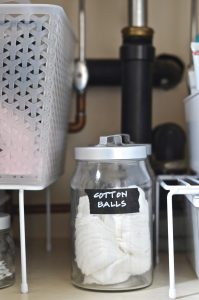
x: 48, y: 221
x: 172, y: 289
x: 157, y: 216
x: 24, y: 284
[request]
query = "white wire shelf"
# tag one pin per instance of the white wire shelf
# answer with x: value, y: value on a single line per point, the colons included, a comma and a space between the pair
x: 175, y: 185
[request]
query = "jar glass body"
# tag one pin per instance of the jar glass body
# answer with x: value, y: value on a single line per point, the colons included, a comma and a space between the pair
x: 111, y: 251
x: 7, y: 258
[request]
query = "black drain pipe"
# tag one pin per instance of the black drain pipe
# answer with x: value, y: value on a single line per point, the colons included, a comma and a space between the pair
x: 137, y: 57
x: 167, y: 72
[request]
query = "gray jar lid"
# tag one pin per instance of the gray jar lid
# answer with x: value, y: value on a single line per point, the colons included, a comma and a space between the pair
x: 113, y: 147
x: 148, y: 149
x: 4, y: 221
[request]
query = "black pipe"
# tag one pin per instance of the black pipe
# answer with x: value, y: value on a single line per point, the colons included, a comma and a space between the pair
x: 137, y: 56
x: 167, y: 73
x: 104, y: 72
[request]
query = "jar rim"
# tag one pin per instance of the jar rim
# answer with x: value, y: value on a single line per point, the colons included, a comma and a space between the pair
x: 126, y: 152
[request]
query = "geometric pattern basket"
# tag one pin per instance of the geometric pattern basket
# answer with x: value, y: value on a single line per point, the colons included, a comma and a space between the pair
x: 36, y: 71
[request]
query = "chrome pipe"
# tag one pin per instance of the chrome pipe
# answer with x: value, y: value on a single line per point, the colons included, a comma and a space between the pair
x: 193, y: 25
x: 194, y: 20
x: 82, y: 30
x: 137, y: 12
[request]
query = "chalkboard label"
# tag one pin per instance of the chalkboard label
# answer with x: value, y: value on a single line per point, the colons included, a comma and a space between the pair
x: 113, y: 201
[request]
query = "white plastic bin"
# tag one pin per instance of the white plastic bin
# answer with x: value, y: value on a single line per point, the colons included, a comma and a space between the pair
x: 192, y: 220
x: 36, y: 72
x: 192, y: 119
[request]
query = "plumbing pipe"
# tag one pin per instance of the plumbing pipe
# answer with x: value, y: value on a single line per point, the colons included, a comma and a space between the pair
x: 82, y: 30
x: 137, y: 69
x: 167, y: 73
x: 137, y: 13
x: 137, y: 57
x: 81, y: 76
x: 104, y: 72
x: 80, y: 117
x: 194, y: 20
x: 81, y: 72
x: 193, y: 25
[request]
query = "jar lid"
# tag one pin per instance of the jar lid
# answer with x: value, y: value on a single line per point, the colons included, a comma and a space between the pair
x: 4, y: 221
x: 148, y: 149
x: 112, y: 147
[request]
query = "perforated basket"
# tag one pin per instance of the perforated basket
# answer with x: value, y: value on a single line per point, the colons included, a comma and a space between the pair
x: 36, y: 70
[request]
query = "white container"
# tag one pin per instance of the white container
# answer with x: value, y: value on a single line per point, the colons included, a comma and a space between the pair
x: 192, y: 220
x: 36, y: 72
x: 7, y: 252
x: 111, y: 216
x: 192, y: 119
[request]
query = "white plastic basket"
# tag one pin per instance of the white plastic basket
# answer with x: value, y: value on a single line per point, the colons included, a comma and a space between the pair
x: 36, y: 71
x: 191, y: 104
x: 193, y: 235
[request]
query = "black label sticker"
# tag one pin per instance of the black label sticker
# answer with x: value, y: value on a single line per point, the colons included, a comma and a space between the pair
x: 113, y: 201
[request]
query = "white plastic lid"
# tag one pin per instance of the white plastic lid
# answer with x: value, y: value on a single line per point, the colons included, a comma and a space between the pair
x: 112, y: 147
x: 4, y: 221
x: 148, y: 149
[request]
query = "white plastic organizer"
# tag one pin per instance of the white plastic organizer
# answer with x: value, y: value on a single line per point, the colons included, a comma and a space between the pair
x: 36, y: 70
x: 36, y: 74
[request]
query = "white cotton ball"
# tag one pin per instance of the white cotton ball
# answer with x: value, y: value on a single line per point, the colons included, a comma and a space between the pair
x: 133, y: 230
x: 83, y: 207
x: 111, y: 248
x: 115, y: 273
x: 140, y: 264
x: 95, y: 246
x: 135, y: 237
x: 4, y: 271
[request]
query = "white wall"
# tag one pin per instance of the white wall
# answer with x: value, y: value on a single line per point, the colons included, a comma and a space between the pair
x: 105, y: 19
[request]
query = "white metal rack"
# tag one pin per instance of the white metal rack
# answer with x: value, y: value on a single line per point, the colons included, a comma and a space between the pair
x: 24, y: 281
x: 175, y: 185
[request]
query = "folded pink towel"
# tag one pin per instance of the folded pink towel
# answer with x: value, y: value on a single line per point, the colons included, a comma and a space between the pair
x: 18, y: 147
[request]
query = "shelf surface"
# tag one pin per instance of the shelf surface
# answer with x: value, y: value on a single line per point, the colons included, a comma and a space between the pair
x: 49, y: 278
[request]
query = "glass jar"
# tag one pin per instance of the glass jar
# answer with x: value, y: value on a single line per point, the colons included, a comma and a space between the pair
x: 111, y: 217
x: 7, y: 252
x: 153, y: 179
